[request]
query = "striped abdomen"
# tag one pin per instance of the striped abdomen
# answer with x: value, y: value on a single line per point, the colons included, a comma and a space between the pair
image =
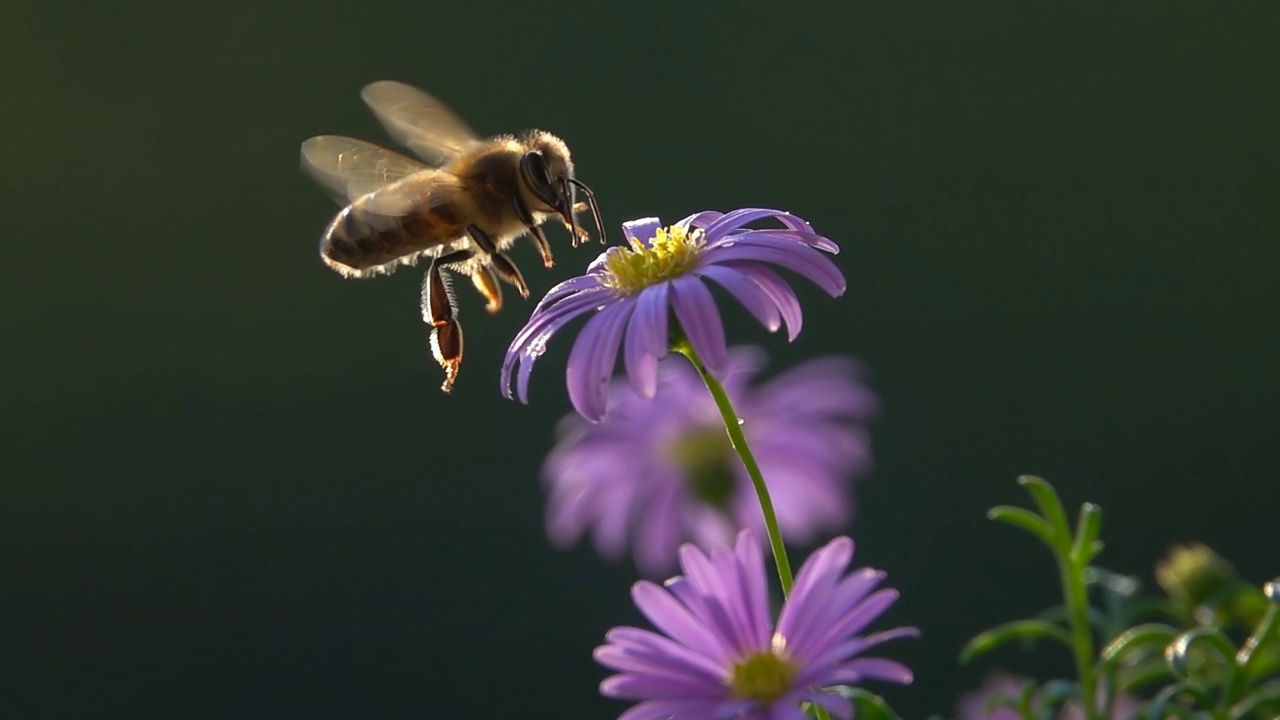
x: 361, y: 243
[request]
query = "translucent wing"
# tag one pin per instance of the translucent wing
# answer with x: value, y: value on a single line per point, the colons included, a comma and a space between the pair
x: 425, y: 189
x: 349, y: 168
x: 418, y: 121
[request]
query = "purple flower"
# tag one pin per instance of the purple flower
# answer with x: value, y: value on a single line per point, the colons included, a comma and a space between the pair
x: 720, y: 655
x: 992, y: 701
x: 658, y: 472
x: 632, y: 290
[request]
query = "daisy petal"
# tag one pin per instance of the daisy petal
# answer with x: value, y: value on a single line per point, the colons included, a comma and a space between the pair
x: 643, y: 687
x: 592, y: 358
x: 530, y: 342
x: 861, y: 669
x: 701, y: 220
x: 777, y: 290
x: 807, y: 239
x: 695, y: 308
x: 747, y: 292
x: 642, y: 230
x: 669, y: 709
x: 647, y: 339
x: 568, y: 287
x: 738, y: 218
x: 802, y: 260
x: 673, y: 617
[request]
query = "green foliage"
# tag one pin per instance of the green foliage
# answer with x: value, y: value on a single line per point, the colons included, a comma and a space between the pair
x: 1209, y: 649
x: 867, y: 705
x: 1025, y: 631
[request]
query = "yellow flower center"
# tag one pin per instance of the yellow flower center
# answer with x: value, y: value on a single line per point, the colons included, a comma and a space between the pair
x: 671, y: 253
x: 705, y: 454
x: 764, y: 677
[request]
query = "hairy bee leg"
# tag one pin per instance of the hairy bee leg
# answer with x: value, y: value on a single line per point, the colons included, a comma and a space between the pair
x: 508, y: 271
x: 580, y: 234
x: 439, y: 310
x: 544, y: 248
x: 487, y: 283
x: 581, y: 237
x: 502, y: 264
x: 539, y: 237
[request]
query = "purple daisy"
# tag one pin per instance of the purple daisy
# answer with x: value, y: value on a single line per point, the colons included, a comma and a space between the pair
x: 720, y: 655
x: 992, y: 701
x: 631, y: 288
x: 656, y: 473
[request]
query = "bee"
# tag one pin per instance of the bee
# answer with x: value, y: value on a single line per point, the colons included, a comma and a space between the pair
x: 463, y: 207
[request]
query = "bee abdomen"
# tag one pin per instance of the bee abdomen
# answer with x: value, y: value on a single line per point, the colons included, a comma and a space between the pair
x: 359, y: 243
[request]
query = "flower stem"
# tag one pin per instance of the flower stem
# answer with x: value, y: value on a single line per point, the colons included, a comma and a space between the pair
x: 733, y: 426
x: 1076, y: 597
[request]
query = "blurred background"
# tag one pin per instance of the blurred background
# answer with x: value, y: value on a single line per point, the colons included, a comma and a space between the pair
x: 231, y: 487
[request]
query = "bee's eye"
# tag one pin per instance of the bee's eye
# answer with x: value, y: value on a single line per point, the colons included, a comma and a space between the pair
x: 539, y: 166
x: 538, y: 175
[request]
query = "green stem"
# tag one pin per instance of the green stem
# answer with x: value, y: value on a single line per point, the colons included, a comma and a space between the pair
x: 739, y: 441
x: 1246, y: 658
x: 1076, y: 598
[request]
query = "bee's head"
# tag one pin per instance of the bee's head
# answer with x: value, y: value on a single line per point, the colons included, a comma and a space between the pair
x: 546, y: 170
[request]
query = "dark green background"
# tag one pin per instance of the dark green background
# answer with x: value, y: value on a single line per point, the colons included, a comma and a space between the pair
x: 231, y: 488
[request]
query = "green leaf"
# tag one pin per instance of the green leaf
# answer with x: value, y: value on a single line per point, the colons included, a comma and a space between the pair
x: 1190, y: 651
x: 1025, y: 630
x: 1159, y: 705
x: 1122, y: 603
x: 1143, y: 674
x: 1055, y: 614
x: 1025, y: 519
x: 867, y: 706
x: 1157, y: 708
x: 1259, y: 653
x: 1050, y: 504
x: 1138, y: 638
x: 1266, y: 697
x: 1089, y: 524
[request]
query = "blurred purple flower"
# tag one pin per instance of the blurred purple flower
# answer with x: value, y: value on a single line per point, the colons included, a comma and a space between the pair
x: 720, y: 655
x: 988, y: 702
x: 992, y: 701
x: 632, y: 290
x: 659, y: 472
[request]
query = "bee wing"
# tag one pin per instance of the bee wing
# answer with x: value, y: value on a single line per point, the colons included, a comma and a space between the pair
x: 418, y: 121
x: 349, y: 168
x: 425, y: 189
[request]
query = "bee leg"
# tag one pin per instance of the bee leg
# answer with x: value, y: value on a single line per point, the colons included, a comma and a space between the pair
x: 539, y: 237
x: 439, y: 310
x: 580, y: 235
x: 544, y: 248
x: 502, y: 264
x: 487, y: 283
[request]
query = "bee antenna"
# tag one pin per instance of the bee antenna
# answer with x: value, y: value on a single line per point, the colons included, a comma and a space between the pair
x: 573, y: 217
x: 595, y: 208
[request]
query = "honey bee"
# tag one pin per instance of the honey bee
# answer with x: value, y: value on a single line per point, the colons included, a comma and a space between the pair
x: 463, y: 207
